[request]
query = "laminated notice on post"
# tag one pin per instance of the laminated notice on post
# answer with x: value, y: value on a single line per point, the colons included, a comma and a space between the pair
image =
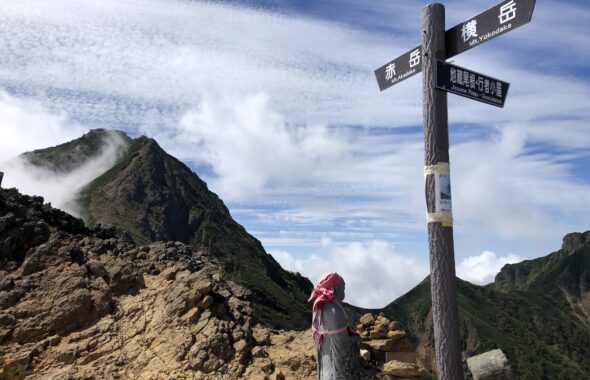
x: 443, y: 212
x: 442, y: 186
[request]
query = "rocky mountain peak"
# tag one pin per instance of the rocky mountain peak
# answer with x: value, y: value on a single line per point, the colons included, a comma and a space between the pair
x: 155, y: 197
x: 68, y: 156
x: 575, y: 241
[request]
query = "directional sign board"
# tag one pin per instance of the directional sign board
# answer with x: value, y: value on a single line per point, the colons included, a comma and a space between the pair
x: 470, y: 84
x: 403, y: 67
x: 489, y: 24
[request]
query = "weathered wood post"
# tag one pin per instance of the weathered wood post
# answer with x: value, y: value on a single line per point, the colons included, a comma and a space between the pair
x: 440, y: 223
x: 439, y: 77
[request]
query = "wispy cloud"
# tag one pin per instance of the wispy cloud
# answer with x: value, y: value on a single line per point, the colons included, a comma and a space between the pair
x: 504, y: 188
x: 172, y: 52
x: 283, y: 112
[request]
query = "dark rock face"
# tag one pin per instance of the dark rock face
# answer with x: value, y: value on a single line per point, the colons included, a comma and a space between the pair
x: 575, y: 241
x: 157, y: 198
x: 25, y: 222
x: 46, y: 285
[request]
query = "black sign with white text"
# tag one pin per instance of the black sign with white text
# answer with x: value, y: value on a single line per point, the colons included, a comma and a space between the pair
x: 500, y: 19
x: 468, y: 83
x: 403, y: 67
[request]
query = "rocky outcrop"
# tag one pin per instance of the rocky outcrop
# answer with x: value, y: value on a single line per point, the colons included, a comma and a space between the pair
x: 77, y: 303
x: 388, y: 349
x: 384, y: 339
x: 282, y: 355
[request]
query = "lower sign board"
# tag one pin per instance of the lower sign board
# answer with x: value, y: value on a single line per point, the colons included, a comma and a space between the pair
x: 470, y: 84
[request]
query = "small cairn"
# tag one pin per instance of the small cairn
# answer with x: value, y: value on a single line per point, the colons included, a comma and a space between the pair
x: 384, y: 344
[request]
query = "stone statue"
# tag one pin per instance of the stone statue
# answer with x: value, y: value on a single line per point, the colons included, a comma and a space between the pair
x: 336, y: 345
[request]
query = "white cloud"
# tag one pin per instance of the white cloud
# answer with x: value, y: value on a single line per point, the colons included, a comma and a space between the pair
x: 61, y: 189
x: 374, y: 274
x: 248, y: 145
x: 483, y: 269
x: 27, y: 125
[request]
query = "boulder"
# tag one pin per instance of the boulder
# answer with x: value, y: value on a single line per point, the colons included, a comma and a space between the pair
x: 80, y: 303
x: 401, y: 369
x: 491, y: 365
x: 367, y: 320
x: 573, y: 241
x: 396, y: 334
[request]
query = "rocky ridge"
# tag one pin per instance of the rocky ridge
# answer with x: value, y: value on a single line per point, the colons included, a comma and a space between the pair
x: 80, y: 303
x: 155, y: 197
x: 87, y: 303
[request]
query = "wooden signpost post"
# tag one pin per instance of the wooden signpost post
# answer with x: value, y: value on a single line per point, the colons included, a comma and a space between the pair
x: 438, y: 78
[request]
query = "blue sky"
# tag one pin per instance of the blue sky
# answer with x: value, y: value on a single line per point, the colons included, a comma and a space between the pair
x: 274, y: 104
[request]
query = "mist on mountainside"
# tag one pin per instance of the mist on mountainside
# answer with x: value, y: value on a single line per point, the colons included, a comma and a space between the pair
x: 60, y: 186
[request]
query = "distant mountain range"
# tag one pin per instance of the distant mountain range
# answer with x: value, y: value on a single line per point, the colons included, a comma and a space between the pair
x: 536, y: 311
